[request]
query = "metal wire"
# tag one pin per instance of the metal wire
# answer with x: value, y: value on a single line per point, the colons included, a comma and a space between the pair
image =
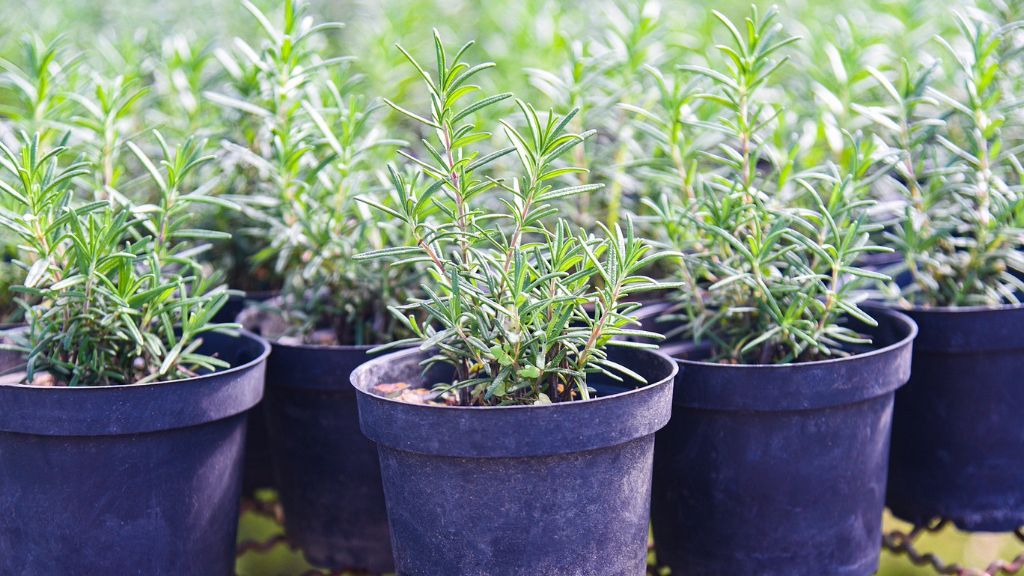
x: 259, y: 546
x: 269, y: 509
x: 903, y: 543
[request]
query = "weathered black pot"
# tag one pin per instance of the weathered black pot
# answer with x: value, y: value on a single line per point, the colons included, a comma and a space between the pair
x: 328, y: 472
x: 138, y: 479
x: 555, y: 490
x: 958, y: 430
x: 880, y: 261
x: 230, y: 310
x: 237, y: 302
x: 257, y: 462
x: 779, y: 470
x: 257, y: 468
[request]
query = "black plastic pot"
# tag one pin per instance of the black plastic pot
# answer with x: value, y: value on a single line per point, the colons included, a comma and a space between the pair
x: 257, y: 468
x: 779, y: 469
x: 237, y: 302
x: 553, y: 490
x: 879, y: 261
x: 958, y: 431
x: 328, y: 474
x: 138, y: 479
x: 257, y: 462
x: 230, y: 310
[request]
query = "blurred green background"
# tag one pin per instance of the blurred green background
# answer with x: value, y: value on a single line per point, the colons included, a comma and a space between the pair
x: 518, y: 36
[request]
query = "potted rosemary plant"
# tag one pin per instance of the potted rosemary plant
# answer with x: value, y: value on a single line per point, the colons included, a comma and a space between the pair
x: 531, y: 424
x: 957, y: 437
x: 333, y: 308
x: 264, y: 155
x: 124, y: 422
x: 775, y: 459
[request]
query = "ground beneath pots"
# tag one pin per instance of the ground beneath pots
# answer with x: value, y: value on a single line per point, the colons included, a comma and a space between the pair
x: 265, y: 551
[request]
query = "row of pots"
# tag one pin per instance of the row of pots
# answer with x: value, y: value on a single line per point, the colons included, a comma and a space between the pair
x: 761, y: 469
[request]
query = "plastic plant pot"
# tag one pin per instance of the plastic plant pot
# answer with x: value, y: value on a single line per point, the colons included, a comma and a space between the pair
x: 779, y: 469
x: 328, y: 472
x: 958, y: 435
x: 555, y: 490
x: 257, y: 469
x: 136, y: 479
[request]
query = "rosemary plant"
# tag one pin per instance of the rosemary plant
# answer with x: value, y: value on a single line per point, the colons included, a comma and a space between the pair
x: 329, y: 296
x: 103, y: 121
x: 182, y: 72
x: 33, y: 97
x: 523, y: 309
x: 319, y: 144
x: 961, y: 229
x: 265, y: 133
x: 601, y: 79
x: 34, y: 86
x: 113, y: 293
x: 767, y: 251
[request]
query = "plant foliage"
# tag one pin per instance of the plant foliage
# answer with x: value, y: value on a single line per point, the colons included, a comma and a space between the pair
x: 522, y: 308
x: 113, y: 293
x: 314, y: 145
x: 960, y: 224
x: 768, y: 252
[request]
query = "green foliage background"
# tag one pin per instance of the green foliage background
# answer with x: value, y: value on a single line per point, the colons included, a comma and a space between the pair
x: 518, y: 36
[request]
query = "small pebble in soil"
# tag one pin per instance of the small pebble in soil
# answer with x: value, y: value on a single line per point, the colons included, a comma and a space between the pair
x: 43, y: 379
x: 402, y: 392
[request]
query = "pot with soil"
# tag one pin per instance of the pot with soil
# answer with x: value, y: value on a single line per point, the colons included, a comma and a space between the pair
x: 332, y: 309
x: 328, y: 474
x: 774, y: 462
x: 518, y: 438
x: 124, y: 419
x: 521, y: 482
x: 957, y: 434
x: 151, y: 471
x: 779, y: 469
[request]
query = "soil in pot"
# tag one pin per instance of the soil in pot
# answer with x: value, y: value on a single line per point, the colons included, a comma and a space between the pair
x: 958, y: 429
x: 779, y: 469
x: 139, y: 479
x: 328, y: 474
x: 555, y: 490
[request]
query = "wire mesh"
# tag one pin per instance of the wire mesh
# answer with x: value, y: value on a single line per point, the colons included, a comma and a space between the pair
x: 899, y: 542
x: 905, y: 544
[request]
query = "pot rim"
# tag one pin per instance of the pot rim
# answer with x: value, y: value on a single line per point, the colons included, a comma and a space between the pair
x: 154, y: 407
x: 822, y: 384
x: 668, y: 378
x: 326, y: 347
x: 230, y: 370
x: 919, y: 309
x: 365, y: 348
x: 965, y: 330
x: 540, y: 430
x: 899, y: 316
